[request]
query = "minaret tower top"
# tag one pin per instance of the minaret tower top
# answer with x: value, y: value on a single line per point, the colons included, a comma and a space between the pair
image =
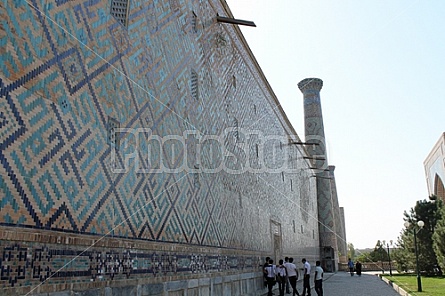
x: 310, y: 85
x: 313, y: 118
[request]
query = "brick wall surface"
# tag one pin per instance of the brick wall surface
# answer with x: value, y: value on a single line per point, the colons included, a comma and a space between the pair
x: 134, y: 154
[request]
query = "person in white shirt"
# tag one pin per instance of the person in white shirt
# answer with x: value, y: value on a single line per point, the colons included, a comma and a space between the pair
x: 292, y: 274
x: 318, y: 279
x: 281, y: 277
x: 286, y: 260
x: 270, y: 272
x: 306, y: 278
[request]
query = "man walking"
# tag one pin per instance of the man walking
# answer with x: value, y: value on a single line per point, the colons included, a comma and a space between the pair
x: 270, y: 272
x: 306, y: 278
x: 292, y: 274
x: 318, y: 279
x: 281, y: 277
x: 351, y: 266
x: 286, y: 260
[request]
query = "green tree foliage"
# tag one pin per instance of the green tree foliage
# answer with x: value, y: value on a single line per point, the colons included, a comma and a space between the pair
x: 351, y: 251
x: 405, y: 260
x: 429, y: 213
x: 379, y: 253
x: 439, y: 237
x: 364, y: 257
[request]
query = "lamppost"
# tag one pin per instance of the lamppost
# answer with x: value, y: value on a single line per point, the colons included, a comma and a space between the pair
x: 389, y: 258
x: 420, y: 223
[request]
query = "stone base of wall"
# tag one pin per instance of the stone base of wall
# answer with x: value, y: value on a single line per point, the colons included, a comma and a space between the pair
x: 44, y: 262
x: 240, y: 284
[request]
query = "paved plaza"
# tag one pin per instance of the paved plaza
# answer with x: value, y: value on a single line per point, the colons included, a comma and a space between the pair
x: 343, y: 284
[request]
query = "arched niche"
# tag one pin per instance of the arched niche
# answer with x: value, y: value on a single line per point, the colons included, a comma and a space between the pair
x: 439, y: 189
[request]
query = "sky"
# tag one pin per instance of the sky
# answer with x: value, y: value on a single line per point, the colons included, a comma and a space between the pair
x: 383, y: 69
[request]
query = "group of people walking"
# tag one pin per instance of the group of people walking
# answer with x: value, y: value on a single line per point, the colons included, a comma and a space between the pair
x: 286, y: 275
x: 357, y: 268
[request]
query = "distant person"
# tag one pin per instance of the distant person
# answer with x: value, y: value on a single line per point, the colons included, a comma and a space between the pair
x: 281, y: 277
x: 292, y: 274
x: 351, y: 266
x: 318, y: 279
x: 358, y: 268
x: 270, y: 272
x: 306, y: 277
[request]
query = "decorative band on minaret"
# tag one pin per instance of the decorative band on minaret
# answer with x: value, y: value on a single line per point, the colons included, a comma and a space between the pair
x: 314, y: 133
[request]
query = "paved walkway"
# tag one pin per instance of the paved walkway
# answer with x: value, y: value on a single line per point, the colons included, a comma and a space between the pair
x: 342, y: 283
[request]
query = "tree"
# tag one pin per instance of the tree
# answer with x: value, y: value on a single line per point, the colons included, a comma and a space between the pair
x: 429, y: 213
x: 439, y: 236
x: 351, y: 251
x: 364, y: 257
x: 379, y: 253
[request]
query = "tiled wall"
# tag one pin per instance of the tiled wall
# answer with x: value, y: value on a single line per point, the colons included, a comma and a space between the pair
x: 71, y: 74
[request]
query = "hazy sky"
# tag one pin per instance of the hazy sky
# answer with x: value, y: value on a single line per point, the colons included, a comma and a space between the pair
x: 383, y: 99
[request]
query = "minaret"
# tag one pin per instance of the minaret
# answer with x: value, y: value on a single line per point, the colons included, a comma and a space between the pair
x: 314, y: 133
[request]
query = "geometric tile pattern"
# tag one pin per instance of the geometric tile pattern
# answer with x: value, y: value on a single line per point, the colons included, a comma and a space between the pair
x: 33, y: 263
x: 70, y: 74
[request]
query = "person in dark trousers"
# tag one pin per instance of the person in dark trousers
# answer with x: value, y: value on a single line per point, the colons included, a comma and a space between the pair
x: 292, y: 274
x: 351, y: 266
x: 264, y: 266
x: 286, y: 260
x: 318, y: 279
x: 270, y: 272
x: 358, y: 268
x: 281, y: 277
x: 306, y: 278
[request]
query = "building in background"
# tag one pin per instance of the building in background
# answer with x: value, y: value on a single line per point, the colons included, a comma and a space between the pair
x: 144, y: 152
x: 435, y: 169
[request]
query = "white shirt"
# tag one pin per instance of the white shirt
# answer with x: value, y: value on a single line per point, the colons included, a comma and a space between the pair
x: 308, y: 267
x: 319, y: 273
x: 271, y: 272
x: 291, y: 269
x: 281, y: 270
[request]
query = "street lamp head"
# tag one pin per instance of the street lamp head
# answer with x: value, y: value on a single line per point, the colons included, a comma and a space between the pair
x: 420, y: 223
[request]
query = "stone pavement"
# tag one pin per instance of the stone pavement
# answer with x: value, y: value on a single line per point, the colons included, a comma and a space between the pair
x: 342, y: 283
